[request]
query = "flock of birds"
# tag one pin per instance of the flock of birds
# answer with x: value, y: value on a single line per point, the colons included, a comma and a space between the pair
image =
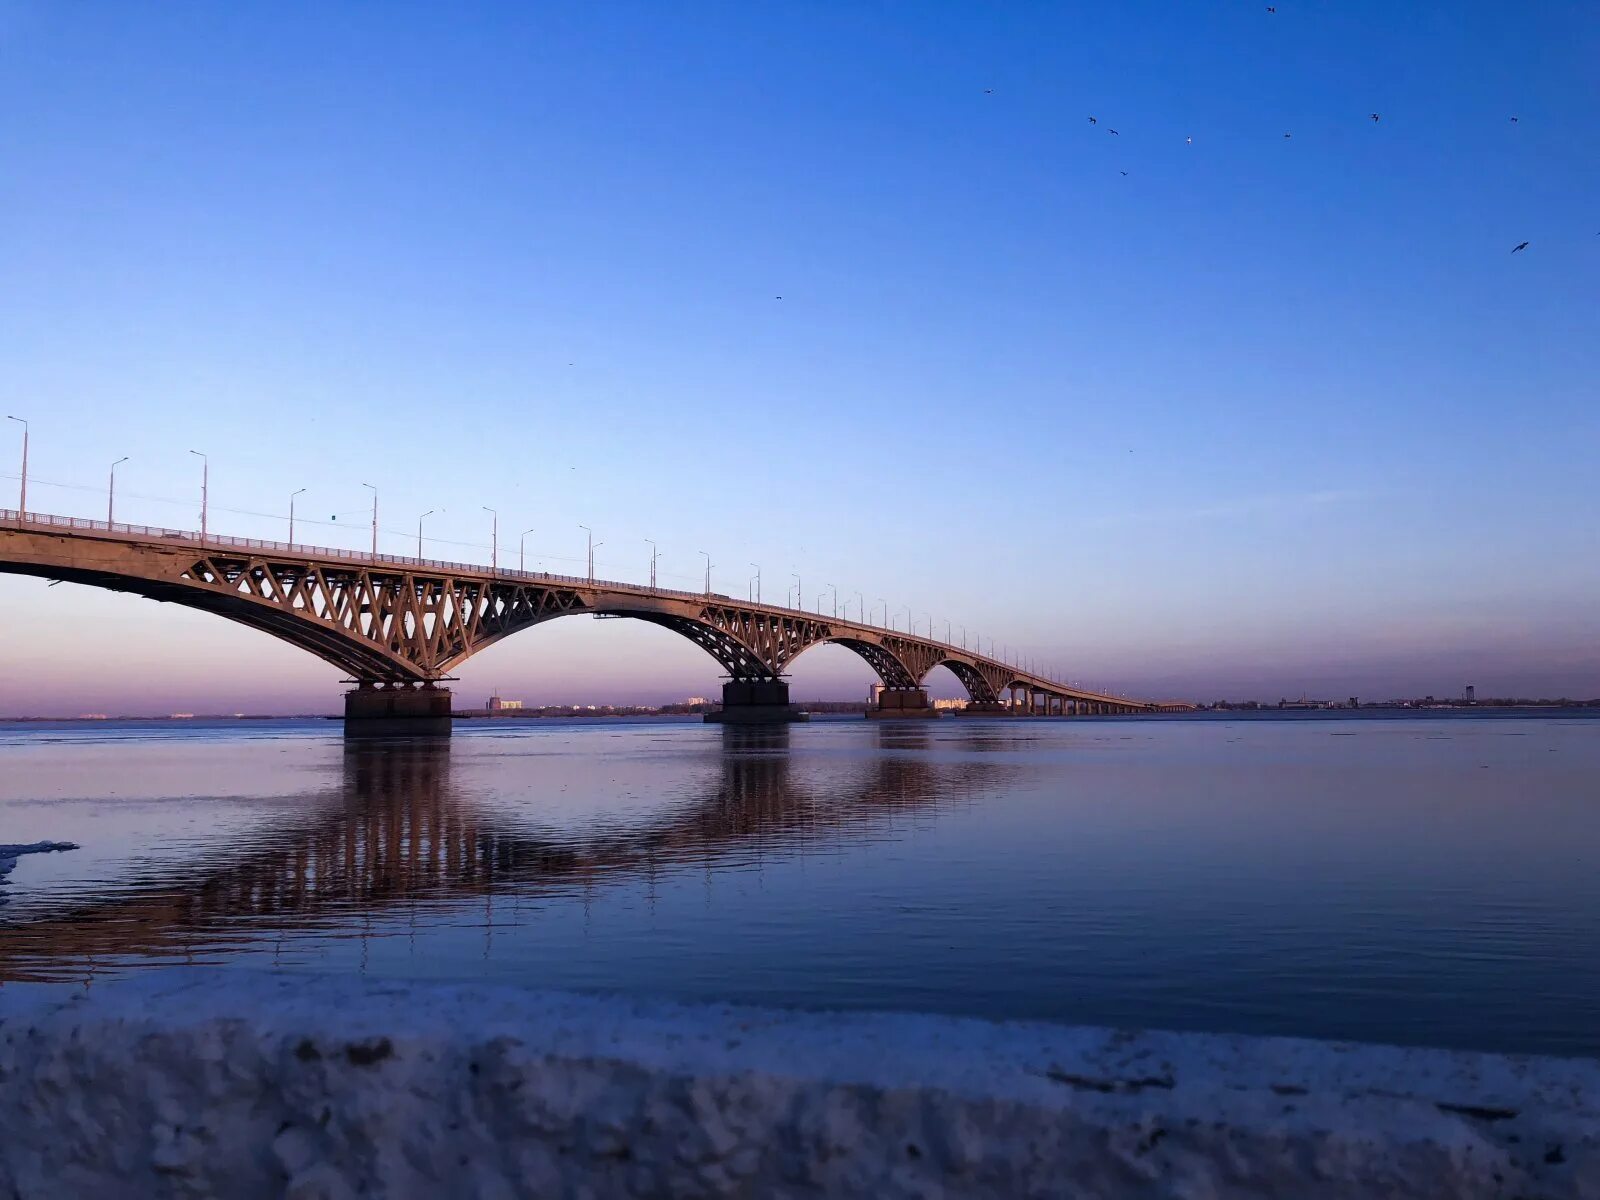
x: 1189, y: 141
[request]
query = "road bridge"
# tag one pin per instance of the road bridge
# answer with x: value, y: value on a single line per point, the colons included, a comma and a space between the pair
x: 398, y: 626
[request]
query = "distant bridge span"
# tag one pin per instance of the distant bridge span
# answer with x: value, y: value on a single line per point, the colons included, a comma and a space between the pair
x: 398, y: 626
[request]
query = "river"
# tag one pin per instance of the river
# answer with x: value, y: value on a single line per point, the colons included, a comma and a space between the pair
x: 1425, y: 880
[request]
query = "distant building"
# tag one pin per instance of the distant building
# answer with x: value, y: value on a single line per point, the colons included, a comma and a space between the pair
x: 692, y: 701
x: 952, y: 705
x: 1472, y: 694
x: 873, y: 692
x: 496, y: 704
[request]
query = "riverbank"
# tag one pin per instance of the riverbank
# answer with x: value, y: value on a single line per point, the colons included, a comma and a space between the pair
x: 202, y: 1081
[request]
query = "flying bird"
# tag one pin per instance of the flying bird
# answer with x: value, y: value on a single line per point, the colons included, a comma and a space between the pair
x: 988, y: 91
x: 1189, y: 141
x: 1124, y: 172
x: 1374, y: 116
x: 1513, y: 120
x: 1287, y: 135
x: 1519, y: 246
x: 1270, y: 9
x: 777, y: 297
x: 1094, y: 120
x: 1113, y: 131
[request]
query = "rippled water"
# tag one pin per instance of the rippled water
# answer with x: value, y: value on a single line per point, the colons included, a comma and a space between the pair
x: 1421, y: 880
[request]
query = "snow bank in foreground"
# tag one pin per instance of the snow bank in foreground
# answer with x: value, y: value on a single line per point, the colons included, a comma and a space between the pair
x: 198, y: 1082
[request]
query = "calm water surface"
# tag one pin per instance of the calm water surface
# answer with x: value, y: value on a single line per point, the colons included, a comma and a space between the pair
x: 1414, y: 880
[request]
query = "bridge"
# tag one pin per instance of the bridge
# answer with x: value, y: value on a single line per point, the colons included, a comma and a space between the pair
x: 398, y: 626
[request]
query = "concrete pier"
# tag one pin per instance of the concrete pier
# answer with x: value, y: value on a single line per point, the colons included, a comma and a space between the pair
x: 755, y: 702
x: 895, y: 704
x: 397, y: 710
x: 985, y: 708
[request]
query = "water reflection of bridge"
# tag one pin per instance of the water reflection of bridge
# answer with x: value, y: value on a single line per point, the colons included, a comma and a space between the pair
x: 401, y: 833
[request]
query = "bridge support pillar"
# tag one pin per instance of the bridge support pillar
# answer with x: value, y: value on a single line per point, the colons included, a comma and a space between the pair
x: 398, y: 710
x: 755, y: 702
x: 985, y: 708
x: 898, y: 703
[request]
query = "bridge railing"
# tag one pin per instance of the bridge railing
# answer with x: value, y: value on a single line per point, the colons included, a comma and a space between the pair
x: 10, y: 516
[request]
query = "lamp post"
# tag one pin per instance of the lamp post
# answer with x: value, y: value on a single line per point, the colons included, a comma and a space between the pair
x: 429, y: 513
x: 111, y: 488
x: 205, y: 490
x: 861, y: 608
x: 292, y: 495
x: 909, y: 618
x: 708, y: 572
x: 835, y: 588
x: 494, y: 539
x: 885, y: 604
x: 22, y: 502
x: 757, y: 566
x: 374, y: 519
x: 590, y: 532
x: 654, y: 554
x: 522, y: 541
x: 799, y: 592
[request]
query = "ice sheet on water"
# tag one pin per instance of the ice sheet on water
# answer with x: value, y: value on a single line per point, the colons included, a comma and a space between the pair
x: 10, y: 853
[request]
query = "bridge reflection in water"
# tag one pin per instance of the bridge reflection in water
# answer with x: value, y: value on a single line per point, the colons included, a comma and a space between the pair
x: 401, y: 836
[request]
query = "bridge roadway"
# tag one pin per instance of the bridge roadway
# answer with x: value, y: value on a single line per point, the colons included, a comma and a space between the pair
x: 398, y: 626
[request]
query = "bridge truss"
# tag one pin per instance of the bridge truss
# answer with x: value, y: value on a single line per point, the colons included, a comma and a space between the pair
x: 401, y: 621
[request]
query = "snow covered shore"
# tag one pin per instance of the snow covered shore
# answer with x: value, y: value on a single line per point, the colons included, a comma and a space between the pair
x: 203, y: 1082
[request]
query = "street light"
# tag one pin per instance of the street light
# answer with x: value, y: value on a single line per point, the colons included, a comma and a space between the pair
x: 522, y: 540
x: 885, y: 604
x: 429, y: 513
x: 22, y: 502
x: 205, y: 490
x: 374, y: 519
x: 494, y: 539
x: 757, y: 566
x: 799, y: 593
x: 653, y: 556
x: 111, y: 488
x: 835, y: 588
x: 861, y: 608
x: 590, y: 532
x: 292, y: 495
x: 708, y: 572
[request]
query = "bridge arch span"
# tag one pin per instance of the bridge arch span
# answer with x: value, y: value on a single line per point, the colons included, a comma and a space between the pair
x: 400, y: 621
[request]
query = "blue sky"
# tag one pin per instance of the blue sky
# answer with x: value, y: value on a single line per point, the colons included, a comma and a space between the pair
x: 1262, y: 416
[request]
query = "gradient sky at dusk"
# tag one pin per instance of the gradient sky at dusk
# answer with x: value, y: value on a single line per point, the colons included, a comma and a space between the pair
x: 1263, y: 416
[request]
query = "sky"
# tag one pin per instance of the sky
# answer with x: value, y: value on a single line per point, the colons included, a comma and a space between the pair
x: 855, y: 292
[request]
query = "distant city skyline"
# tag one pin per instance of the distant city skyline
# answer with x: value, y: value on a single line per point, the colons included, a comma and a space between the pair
x: 1263, y: 417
